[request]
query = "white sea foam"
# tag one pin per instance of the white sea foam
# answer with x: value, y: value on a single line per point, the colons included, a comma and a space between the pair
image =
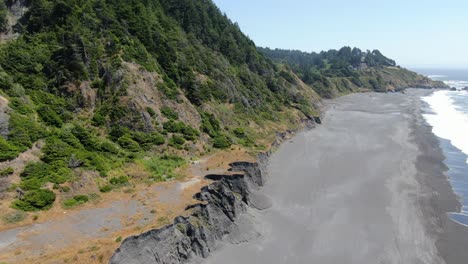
x: 435, y: 76
x: 457, y: 84
x: 447, y: 121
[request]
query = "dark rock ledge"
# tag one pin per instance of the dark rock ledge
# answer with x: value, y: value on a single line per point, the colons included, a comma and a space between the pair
x: 222, y: 203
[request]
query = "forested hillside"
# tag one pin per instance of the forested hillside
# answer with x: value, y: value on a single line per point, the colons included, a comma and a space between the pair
x: 335, y: 72
x: 100, y: 84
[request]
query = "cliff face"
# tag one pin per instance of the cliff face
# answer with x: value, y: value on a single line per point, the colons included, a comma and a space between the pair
x: 222, y: 205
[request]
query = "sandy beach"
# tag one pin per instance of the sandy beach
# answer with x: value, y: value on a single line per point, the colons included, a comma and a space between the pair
x: 366, y: 186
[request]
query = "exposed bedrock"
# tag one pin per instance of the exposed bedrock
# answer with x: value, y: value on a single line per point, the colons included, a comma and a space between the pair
x: 222, y: 203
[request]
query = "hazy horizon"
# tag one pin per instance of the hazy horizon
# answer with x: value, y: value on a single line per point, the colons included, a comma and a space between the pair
x: 417, y: 34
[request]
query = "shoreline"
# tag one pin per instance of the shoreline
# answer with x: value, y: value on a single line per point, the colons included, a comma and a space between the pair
x: 452, y: 237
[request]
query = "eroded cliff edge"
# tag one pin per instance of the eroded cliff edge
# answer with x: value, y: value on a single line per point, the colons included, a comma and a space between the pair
x: 221, y: 205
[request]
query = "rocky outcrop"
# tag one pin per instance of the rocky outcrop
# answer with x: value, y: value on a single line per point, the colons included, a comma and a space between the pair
x: 221, y: 204
x: 15, y: 11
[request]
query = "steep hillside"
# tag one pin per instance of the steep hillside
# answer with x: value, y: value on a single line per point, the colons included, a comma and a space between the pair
x: 335, y: 72
x: 108, y: 83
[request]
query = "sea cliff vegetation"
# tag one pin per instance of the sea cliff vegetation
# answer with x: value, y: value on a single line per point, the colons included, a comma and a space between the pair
x: 100, y: 84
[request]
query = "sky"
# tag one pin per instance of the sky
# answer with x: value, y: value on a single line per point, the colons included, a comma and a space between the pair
x: 415, y: 33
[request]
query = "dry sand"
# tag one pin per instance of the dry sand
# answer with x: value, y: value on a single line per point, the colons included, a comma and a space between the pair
x: 367, y: 186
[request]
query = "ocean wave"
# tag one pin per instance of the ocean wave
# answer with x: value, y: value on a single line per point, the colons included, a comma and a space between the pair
x: 437, y: 76
x: 457, y: 84
x: 447, y: 121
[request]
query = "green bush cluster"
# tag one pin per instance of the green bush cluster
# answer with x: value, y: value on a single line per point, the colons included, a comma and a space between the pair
x: 150, y: 111
x: 176, y: 141
x: 35, y: 200
x: 119, y: 181
x: 222, y: 142
x: 7, y: 150
x: 188, y: 132
x: 75, y: 201
x: 7, y: 172
x: 105, y: 189
x: 210, y: 125
x: 135, y: 141
x: 169, y: 113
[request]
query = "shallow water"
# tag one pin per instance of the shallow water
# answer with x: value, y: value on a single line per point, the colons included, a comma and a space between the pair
x: 447, y: 113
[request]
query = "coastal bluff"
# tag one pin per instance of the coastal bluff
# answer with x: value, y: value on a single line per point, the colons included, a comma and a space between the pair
x: 222, y: 205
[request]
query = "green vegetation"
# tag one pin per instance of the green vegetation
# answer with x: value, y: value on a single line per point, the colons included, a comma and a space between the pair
x: 169, y: 113
x: 15, y: 217
x: 334, y: 72
x: 163, y: 168
x: 70, y: 78
x: 221, y: 142
x: 119, y: 181
x: 6, y: 172
x: 75, y: 201
x: 105, y: 189
x: 35, y: 200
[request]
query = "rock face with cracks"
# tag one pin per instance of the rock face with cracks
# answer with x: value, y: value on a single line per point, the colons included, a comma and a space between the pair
x: 222, y: 204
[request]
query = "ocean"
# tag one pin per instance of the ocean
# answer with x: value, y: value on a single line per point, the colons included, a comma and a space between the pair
x: 447, y: 113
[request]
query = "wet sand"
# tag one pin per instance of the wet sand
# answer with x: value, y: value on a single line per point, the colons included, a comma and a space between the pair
x: 367, y: 186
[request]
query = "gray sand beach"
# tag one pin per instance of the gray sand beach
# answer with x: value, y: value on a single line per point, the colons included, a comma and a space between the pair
x: 366, y: 186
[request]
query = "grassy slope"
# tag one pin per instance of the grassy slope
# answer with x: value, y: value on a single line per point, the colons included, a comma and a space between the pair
x: 107, y: 84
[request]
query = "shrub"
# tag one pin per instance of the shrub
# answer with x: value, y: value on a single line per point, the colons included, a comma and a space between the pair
x: 70, y: 139
x: 37, y: 170
x: 14, y: 217
x: 105, y: 189
x: 221, y: 142
x: 64, y: 189
x: 169, y: 113
x: 173, y: 127
x: 34, y: 200
x: 190, y: 133
x: 147, y: 140
x: 157, y: 139
x: 7, y: 172
x: 7, y: 151
x: 121, y: 180
x: 49, y: 116
x: 86, y: 138
x: 108, y: 147
x: 56, y: 149
x: 210, y: 125
x: 24, y: 131
x: 75, y: 201
x: 176, y: 141
x: 239, y: 132
x: 20, y: 106
x: 128, y: 143
x: 98, y: 119
x: 118, y: 131
x: 150, y: 111
x: 96, y: 161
